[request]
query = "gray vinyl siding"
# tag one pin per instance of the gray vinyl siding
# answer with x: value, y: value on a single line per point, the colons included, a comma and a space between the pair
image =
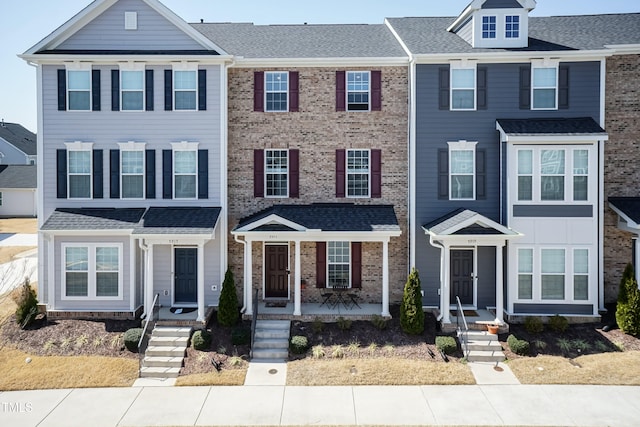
x: 501, y: 4
x: 553, y: 309
x: 11, y: 155
x: 106, y: 128
x: 435, y: 127
x: 107, y: 32
x: 466, y: 31
x: 212, y: 271
x: 553, y: 211
x: 92, y: 304
x: 486, y: 272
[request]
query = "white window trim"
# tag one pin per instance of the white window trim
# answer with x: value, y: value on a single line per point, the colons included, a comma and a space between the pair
x: 464, y: 65
x: 133, y: 146
x: 286, y: 110
x: 80, y: 146
x: 183, y: 146
x: 79, y: 66
x: 183, y: 66
x: 0, y: 198
x: 462, y: 145
x: 92, y: 282
x: 135, y: 67
x: 329, y: 285
x: 346, y: 92
x: 544, y: 63
x: 266, y: 172
x: 346, y: 174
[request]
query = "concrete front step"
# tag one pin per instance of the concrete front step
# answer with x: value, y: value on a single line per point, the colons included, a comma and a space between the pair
x: 485, y: 356
x: 276, y: 344
x: 159, y: 372
x: 272, y: 334
x: 162, y: 362
x: 165, y: 351
x: 271, y: 340
x: 484, y: 345
x: 271, y: 354
x: 166, y: 341
x: 481, y: 336
x: 273, y: 324
x: 171, y: 331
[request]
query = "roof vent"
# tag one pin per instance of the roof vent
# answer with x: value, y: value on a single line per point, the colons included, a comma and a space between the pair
x: 131, y: 20
x: 2, y: 124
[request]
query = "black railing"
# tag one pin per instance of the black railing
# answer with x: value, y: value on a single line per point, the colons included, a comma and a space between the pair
x: 462, y: 328
x: 149, y: 324
x: 254, y: 320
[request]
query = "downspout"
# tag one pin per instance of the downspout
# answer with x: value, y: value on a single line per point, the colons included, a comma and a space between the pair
x: 244, y: 275
x: 435, y: 244
x: 224, y: 171
x: 145, y: 249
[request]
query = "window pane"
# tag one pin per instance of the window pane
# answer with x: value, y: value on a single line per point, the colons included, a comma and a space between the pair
x: 525, y: 286
x: 580, y: 188
x: 132, y: 80
x: 544, y: 77
x: 525, y: 162
x: 553, y: 287
x: 277, y: 184
x: 357, y: 90
x: 544, y: 98
x: 79, y: 80
x: 184, y: 80
x: 358, y: 185
x: 338, y: 263
x: 461, y: 161
x: 461, y: 186
x: 580, y: 162
x: 277, y: 175
x: 107, y: 284
x: 132, y: 161
x: 79, y: 161
x: 185, y: 186
x: 358, y: 160
x: 132, y: 187
x: 553, y: 261
x: 107, y: 259
x: 76, y: 259
x: 132, y: 100
x: 357, y: 81
x: 525, y: 260
x: 77, y: 284
x: 184, y: 161
x: 185, y: 100
x: 277, y: 101
x: 463, y: 78
x: 80, y: 186
x: 277, y: 82
x: 552, y: 188
x: 525, y: 188
x: 581, y: 261
x: 79, y: 100
x: 580, y: 287
x: 462, y: 99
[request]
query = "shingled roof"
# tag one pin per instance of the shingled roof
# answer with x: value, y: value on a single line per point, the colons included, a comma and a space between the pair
x: 559, y: 126
x: 21, y: 138
x: 18, y: 176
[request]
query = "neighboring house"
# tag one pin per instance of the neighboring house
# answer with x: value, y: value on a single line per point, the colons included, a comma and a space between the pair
x: 317, y: 162
x: 507, y: 155
x: 17, y: 145
x: 18, y: 197
x: 132, y: 178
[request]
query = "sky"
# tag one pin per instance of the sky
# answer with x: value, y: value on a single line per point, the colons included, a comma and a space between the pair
x: 23, y: 23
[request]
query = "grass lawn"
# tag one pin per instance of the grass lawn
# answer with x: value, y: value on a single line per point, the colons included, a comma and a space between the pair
x: 19, y: 225
x: 8, y: 253
x: 225, y: 377
x: 378, y: 371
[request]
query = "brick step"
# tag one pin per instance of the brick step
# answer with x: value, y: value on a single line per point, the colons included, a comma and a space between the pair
x: 171, y: 331
x: 157, y: 372
x: 162, y: 362
x: 485, y: 356
x: 165, y: 341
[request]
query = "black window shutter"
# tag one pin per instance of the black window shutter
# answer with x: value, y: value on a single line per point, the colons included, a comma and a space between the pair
x: 481, y: 174
x: 482, y: 88
x: 203, y: 174
x: 258, y: 173
x: 98, y: 166
x: 148, y: 92
x: 294, y: 173
x: 202, y: 90
x: 376, y: 174
x: 443, y: 88
x: 115, y: 90
x: 150, y: 173
x: 114, y: 174
x: 294, y: 83
x: 341, y: 91
x: 356, y: 265
x: 258, y: 91
x: 525, y: 88
x: 376, y: 90
x: 321, y: 264
x: 443, y: 174
x: 62, y: 93
x: 61, y: 175
x: 167, y: 174
x: 341, y: 160
x: 563, y: 87
x: 95, y: 90
x: 168, y: 90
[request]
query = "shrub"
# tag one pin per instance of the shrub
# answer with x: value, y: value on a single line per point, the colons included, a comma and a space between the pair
x: 201, y: 340
x: 628, y: 307
x: 558, y: 323
x: 411, y: 314
x: 379, y: 322
x: 317, y: 325
x: 446, y: 344
x: 240, y: 336
x: 132, y: 338
x: 25, y: 299
x: 344, y: 324
x: 228, y: 313
x: 299, y: 344
x: 533, y: 325
x: 520, y: 347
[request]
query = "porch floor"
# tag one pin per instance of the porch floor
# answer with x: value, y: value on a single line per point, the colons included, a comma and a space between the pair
x: 311, y: 311
x: 476, y: 321
x: 166, y: 317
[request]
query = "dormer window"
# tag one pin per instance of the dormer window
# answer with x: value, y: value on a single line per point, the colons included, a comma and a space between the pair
x: 512, y: 27
x: 488, y: 27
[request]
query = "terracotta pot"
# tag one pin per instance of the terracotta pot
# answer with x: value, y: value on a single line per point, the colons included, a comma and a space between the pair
x: 493, y: 329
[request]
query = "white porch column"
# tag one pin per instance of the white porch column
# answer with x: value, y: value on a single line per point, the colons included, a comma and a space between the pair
x: 296, y: 278
x: 385, y: 279
x: 446, y: 279
x: 148, y: 285
x: 636, y: 242
x: 248, y: 273
x: 499, y: 285
x: 200, y: 282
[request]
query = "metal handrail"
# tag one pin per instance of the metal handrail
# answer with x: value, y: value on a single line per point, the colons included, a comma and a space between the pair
x: 462, y: 333
x: 253, y: 323
x: 144, y: 337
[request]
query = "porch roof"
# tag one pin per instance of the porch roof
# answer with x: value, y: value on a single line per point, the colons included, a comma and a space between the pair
x: 628, y: 209
x: 67, y: 219
x: 465, y: 222
x: 178, y: 220
x: 327, y: 217
x: 577, y: 129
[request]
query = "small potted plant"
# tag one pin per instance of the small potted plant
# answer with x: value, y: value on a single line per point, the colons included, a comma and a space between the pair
x: 493, y: 328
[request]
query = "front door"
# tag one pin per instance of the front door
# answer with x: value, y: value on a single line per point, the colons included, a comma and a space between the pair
x: 462, y: 276
x: 186, y: 275
x: 276, y: 260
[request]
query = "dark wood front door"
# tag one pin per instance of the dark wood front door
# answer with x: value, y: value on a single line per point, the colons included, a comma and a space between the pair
x: 276, y: 260
x: 186, y: 275
x: 462, y: 276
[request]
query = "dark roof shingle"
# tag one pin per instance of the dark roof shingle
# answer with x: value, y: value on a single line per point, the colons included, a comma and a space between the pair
x: 93, y: 219
x: 21, y: 138
x: 559, y: 126
x: 18, y: 176
x: 178, y: 220
x: 630, y: 206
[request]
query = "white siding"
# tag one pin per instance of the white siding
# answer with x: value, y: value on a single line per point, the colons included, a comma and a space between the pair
x: 16, y: 202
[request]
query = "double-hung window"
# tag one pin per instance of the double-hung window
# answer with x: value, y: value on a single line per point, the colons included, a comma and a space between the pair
x: 488, y: 27
x: 580, y: 175
x: 339, y: 263
x: 132, y: 172
x: 277, y: 90
x: 525, y: 273
x: 544, y: 87
x: 358, y: 173
x: 79, y: 90
x: 185, y: 174
x: 462, y: 179
x: 358, y: 90
x: 552, y: 170
x: 277, y: 173
x: 463, y: 87
x: 132, y: 90
x: 525, y: 175
x: 581, y: 274
x: 79, y: 173
x: 512, y: 27
x: 185, y: 89
x: 552, y: 276
x: 92, y: 271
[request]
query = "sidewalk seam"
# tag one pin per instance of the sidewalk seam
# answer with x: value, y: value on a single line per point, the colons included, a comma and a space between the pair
x: 126, y: 411
x: 54, y: 408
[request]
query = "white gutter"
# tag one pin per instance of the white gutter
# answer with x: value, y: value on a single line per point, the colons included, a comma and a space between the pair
x: 44, y: 58
x: 320, y: 62
x: 442, y: 267
x: 502, y: 57
x: 601, y: 184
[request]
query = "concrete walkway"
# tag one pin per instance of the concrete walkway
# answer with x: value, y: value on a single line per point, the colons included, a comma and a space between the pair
x: 18, y: 239
x: 486, y: 405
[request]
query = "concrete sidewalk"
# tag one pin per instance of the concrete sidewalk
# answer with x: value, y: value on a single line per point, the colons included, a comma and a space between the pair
x: 486, y: 405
